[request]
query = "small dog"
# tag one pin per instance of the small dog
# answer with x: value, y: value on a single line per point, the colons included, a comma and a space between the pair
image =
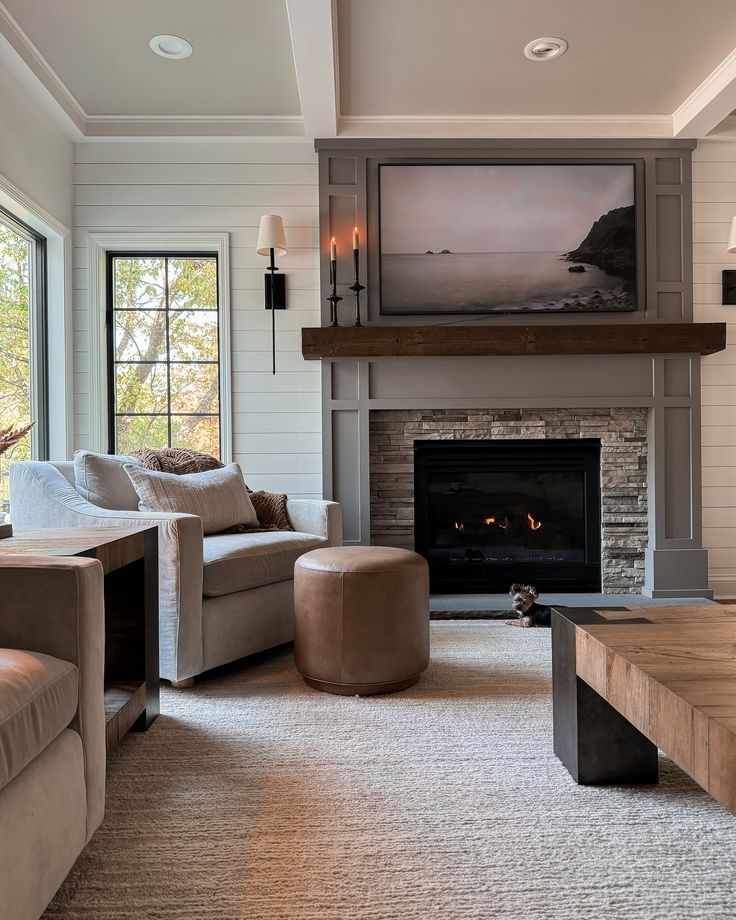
x: 524, y: 602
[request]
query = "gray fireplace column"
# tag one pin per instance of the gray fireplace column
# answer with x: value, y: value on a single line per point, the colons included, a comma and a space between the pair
x: 676, y: 565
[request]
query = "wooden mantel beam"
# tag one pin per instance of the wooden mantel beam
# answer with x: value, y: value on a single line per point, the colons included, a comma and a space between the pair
x: 476, y: 341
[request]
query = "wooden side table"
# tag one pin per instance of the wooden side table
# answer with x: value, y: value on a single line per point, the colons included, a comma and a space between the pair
x: 129, y: 558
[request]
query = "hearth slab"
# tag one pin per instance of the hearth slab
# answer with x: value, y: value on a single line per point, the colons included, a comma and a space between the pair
x: 500, y: 601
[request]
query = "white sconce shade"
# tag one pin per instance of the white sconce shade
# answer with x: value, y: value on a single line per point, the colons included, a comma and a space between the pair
x: 271, y: 236
x: 732, y: 237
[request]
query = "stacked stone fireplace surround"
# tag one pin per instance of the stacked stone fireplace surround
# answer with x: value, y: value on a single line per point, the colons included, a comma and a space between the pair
x: 621, y: 431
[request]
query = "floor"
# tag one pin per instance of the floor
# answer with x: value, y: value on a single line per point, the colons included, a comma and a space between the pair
x: 254, y: 796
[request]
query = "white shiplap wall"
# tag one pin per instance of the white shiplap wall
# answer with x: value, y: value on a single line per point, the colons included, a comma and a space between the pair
x: 714, y: 204
x: 35, y: 154
x: 223, y: 187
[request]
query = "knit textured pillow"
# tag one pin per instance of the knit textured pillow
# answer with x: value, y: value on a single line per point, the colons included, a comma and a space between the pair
x: 271, y: 510
x: 176, y: 460
x: 219, y: 497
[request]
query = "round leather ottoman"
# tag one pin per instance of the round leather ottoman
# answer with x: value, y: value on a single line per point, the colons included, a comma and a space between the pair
x: 361, y: 619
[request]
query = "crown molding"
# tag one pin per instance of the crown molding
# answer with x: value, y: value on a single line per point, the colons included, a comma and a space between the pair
x: 237, y: 126
x: 521, y: 126
x: 709, y: 103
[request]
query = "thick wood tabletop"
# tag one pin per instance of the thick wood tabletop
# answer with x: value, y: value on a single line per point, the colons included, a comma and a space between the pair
x: 113, y: 546
x: 674, y: 678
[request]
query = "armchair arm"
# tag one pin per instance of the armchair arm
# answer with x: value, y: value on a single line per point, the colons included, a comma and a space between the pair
x: 40, y: 496
x: 56, y: 606
x: 314, y: 516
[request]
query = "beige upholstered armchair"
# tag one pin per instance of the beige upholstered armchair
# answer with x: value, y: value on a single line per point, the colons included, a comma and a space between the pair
x: 52, y: 724
x: 222, y: 597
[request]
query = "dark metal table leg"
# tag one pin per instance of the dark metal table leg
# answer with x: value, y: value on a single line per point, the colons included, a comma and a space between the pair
x: 594, y: 741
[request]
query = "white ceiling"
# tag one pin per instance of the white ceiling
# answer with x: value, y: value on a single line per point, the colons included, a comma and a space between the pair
x: 625, y: 57
x: 638, y: 68
x: 242, y: 62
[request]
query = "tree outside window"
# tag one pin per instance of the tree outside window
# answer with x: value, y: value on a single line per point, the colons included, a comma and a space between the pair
x: 164, y: 342
x: 17, y: 377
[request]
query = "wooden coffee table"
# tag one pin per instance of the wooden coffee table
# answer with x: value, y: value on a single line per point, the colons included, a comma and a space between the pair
x: 626, y: 682
x: 129, y: 557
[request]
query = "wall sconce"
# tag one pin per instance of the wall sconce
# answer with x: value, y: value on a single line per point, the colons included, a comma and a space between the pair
x: 272, y: 240
x: 729, y: 276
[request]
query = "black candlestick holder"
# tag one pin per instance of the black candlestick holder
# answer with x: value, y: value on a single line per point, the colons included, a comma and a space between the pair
x: 357, y: 287
x: 334, y: 299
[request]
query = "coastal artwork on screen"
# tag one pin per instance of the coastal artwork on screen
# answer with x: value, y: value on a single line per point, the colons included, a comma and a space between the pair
x: 521, y: 238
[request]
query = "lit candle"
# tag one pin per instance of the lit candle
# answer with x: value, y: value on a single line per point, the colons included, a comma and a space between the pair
x: 356, y: 238
x: 333, y: 250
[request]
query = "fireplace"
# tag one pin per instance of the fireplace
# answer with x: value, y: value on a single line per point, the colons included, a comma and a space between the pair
x: 489, y: 512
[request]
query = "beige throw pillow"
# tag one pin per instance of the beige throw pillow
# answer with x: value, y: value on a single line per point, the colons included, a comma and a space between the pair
x: 219, y: 497
x: 102, y: 480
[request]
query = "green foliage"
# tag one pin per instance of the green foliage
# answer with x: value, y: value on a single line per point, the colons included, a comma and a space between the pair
x: 15, y: 351
x: 149, y: 329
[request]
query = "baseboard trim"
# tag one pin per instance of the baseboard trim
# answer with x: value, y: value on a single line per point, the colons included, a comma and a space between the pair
x: 724, y: 586
x: 694, y: 593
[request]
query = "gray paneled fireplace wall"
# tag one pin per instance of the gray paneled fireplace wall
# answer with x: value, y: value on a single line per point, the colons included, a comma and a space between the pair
x: 663, y: 389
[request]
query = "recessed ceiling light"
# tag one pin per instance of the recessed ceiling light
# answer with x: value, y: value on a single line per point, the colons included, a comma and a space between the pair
x: 544, y: 49
x: 171, y: 47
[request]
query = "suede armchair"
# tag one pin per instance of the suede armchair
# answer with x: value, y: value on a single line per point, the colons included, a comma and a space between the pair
x: 52, y: 724
x: 221, y: 597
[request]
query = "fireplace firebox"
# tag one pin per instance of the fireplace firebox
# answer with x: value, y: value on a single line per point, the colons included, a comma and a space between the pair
x: 490, y: 512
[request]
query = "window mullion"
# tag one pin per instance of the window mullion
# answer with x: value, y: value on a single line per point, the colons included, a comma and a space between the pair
x: 168, y: 350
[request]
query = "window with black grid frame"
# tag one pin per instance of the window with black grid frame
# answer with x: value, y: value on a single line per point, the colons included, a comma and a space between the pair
x: 163, y: 344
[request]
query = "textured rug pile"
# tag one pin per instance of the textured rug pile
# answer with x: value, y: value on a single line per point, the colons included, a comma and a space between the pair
x: 256, y: 797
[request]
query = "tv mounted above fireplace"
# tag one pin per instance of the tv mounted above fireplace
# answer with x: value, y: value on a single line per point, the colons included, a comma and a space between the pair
x: 507, y: 238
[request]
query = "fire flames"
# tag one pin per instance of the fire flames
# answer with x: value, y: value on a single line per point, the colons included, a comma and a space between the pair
x: 503, y: 523
x: 534, y: 525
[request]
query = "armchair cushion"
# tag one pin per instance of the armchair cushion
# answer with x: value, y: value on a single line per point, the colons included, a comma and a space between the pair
x: 101, y: 480
x: 38, y: 700
x: 237, y: 562
x: 219, y: 497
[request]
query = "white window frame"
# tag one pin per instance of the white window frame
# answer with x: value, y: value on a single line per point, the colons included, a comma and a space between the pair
x: 98, y: 245
x: 59, y: 367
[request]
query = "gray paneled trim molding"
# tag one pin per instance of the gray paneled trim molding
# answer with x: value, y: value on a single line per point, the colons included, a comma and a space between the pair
x: 667, y: 386
x: 348, y: 171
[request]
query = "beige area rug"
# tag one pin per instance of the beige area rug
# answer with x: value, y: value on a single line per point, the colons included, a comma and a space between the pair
x: 256, y: 797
